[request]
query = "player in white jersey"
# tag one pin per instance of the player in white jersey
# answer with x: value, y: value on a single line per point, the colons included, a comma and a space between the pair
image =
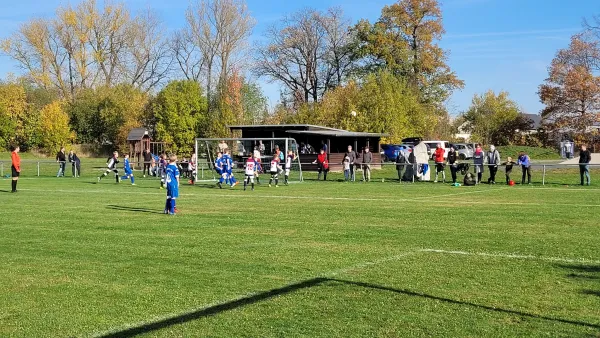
x: 288, y: 165
x: 250, y: 170
x: 274, y: 170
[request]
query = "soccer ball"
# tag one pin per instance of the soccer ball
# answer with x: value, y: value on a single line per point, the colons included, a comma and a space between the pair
x: 511, y: 183
x: 353, y: 113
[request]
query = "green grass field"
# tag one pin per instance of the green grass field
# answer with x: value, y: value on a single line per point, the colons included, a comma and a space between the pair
x: 317, y: 259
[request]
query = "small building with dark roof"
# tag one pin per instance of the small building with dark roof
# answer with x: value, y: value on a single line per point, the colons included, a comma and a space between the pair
x: 138, y: 140
x: 311, y: 138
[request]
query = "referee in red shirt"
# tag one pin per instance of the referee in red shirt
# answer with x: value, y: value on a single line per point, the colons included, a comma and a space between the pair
x: 16, y: 167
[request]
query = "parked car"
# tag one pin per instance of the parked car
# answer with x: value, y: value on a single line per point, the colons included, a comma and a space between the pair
x: 413, y: 141
x: 389, y: 152
x: 432, y: 145
x: 465, y: 151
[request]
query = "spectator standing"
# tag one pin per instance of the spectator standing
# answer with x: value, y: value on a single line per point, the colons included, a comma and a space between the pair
x: 439, y: 162
x: 61, y: 158
x: 352, y: 156
x: 324, y: 146
x: 401, y: 161
x: 367, y: 159
x: 223, y: 146
x: 478, y: 159
x: 322, y: 165
x: 75, y: 163
x: 15, y: 167
x: 452, y: 162
x: 493, y: 159
x: 346, y: 168
x: 147, y: 162
x: 525, y: 162
x: 584, y: 164
x: 568, y: 149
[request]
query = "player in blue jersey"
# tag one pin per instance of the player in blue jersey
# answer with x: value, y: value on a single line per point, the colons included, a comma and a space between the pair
x: 220, y: 169
x: 229, y: 168
x: 128, y: 171
x: 172, y: 183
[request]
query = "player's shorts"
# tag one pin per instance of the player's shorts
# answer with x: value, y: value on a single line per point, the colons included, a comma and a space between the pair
x: 172, y: 191
x: 439, y: 167
x: 15, y: 173
x: 250, y: 178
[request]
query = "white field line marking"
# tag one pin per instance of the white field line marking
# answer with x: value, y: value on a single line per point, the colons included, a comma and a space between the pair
x: 521, y: 203
x: 345, y: 270
x: 253, y: 293
x: 513, y: 256
x: 360, y: 199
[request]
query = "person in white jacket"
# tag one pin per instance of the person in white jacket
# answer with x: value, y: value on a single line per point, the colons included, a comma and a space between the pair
x: 493, y: 160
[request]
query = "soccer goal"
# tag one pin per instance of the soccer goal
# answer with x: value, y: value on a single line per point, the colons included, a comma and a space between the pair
x: 240, y: 149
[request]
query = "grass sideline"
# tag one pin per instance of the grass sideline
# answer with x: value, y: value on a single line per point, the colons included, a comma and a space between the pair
x: 317, y: 259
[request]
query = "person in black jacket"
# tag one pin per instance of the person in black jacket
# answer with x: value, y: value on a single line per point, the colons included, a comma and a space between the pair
x: 452, y: 162
x: 147, y: 162
x: 76, y: 163
x: 584, y: 164
x: 61, y: 158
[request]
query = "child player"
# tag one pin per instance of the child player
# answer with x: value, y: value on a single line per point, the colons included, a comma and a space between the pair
x: 128, y: 171
x: 172, y: 183
x: 288, y: 165
x: 250, y: 171
x: 193, y: 167
x: 112, y: 166
x: 274, y: 169
x: 220, y: 169
x: 229, y: 168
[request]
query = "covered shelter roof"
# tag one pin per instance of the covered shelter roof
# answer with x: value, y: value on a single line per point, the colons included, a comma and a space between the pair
x: 336, y: 133
x: 137, y: 134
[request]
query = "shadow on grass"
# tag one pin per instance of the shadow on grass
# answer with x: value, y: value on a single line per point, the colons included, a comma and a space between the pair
x: 310, y: 283
x: 587, y: 272
x: 134, y: 209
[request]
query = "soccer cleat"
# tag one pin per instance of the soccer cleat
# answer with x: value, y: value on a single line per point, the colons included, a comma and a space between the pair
x: 144, y: 176
x: 98, y: 179
x: 133, y: 184
x: 276, y: 186
x: 269, y: 185
x: 220, y: 185
x: 161, y: 188
x: 236, y: 183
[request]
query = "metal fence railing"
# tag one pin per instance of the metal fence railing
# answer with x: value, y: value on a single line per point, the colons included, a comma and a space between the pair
x: 541, y: 173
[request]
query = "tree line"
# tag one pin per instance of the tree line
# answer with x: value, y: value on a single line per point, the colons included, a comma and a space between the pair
x: 94, y: 71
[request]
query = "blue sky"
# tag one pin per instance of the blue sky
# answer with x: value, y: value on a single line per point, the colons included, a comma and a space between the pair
x: 493, y: 44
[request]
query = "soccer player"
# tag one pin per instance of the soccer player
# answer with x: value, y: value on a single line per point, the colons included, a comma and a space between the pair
x: 15, y: 167
x: 288, y: 165
x: 220, y: 169
x: 172, y: 183
x: 250, y: 171
x: 228, y: 163
x: 112, y: 166
x: 128, y: 171
x: 193, y: 167
x: 274, y: 169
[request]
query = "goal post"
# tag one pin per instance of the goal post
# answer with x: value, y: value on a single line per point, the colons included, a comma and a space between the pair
x: 206, y: 150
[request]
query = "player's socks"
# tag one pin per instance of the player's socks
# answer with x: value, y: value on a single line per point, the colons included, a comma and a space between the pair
x: 117, y: 178
x: 245, y: 184
x: 14, y: 186
x: 167, y: 204
x: 286, y: 179
x: 172, y: 210
x: 276, y: 181
x: 132, y: 180
x: 252, y: 186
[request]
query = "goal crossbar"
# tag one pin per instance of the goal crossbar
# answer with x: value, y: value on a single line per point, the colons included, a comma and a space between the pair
x: 287, y: 142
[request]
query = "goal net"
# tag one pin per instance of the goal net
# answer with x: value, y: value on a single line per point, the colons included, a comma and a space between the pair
x: 240, y: 149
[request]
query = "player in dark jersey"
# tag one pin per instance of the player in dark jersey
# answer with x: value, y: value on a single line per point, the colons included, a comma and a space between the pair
x: 111, y: 163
